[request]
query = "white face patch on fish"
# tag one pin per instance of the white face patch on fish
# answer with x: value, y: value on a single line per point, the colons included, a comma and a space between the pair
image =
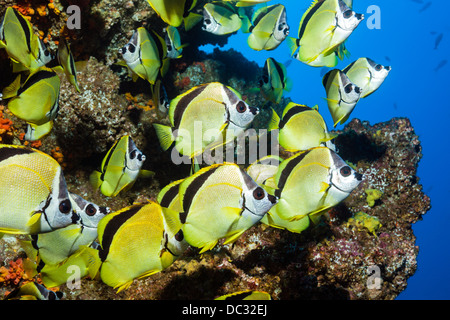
x: 256, y: 201
x: 343, y: 179
x: 239, y: 113
x: 135, y: 158
x: 346, y: 18
x: 57, y: 209
x: 90, y: 213
x: 281, y: 28
x: 131, y: 52
x: 349, y: 93
x: 377, y: 71
x: 209, y: 23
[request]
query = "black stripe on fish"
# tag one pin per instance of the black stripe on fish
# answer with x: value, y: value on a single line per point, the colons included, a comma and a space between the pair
x: 313, y: 10
x: 348, y: 67
x: 159, y: 45
x: 287, y: 171
x: 35, y: 78
x: 105, y: 167
x: 280, y: 72
x: 183, y: 103
x: 292, y: 112
x: 327, y: 76
x: 24, y: 25
x: 240, y: 296
x: 169, y: 196
x: 113, y: 226
x: 263, y: 13
x: 192, y: 190
x: 7, y: 152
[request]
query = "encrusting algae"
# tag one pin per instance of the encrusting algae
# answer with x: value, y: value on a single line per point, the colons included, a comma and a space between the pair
x: 328, y: 260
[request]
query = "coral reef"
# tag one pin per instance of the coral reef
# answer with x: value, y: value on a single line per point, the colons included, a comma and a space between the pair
x: 333, y: 259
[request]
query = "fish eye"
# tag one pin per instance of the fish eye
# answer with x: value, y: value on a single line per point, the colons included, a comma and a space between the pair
x: 169, y: 47
x: 347, y: 14
x: 378, y: 67
x: 258, y: 193
x: 91, y: 210
x: 133, y: 154
x: 265, y: 79
x: 65, y: 206
x: 345, y: 171
x: 348, y: 88
x: 131, y: 48
x: 241, y: 107
x: 47, y: 53
x: 207, y: 21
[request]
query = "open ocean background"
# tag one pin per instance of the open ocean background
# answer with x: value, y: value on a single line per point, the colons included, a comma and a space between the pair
x: 416, y: 88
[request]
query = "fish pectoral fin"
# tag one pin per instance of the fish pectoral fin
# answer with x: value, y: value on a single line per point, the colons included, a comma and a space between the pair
x: 34, y: 219
x: 146, y: 174
x: 231, y: 213
x: 324, y: 186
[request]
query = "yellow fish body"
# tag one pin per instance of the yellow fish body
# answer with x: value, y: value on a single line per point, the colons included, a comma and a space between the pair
x: 342, y: 95
x: 56, y: 246
x: 300, y: 127
x: 269, y: 28
x: 120, y: 168
x: 145, y: 55
x: 323, y: 28
x: 367, y: 74
x: 136, y: 242
x: 220, y: 201
x: 202, y: 116
x: 307, y: 184
x: 37, y: 100
x: 35, y: 199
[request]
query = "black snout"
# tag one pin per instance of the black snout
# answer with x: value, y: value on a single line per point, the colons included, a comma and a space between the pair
x: 254, y: 110
x: 272, y: 199
x: 75, y: 217
x: 358, y: 176
x: 359, y: 16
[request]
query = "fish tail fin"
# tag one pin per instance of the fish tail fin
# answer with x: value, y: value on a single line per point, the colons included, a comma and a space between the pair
x: 274, y: 121
x: 95, y: 179
x: 246, y: 24
x: 329, y: 136
x: 11, y: 90
x: 191, y: 20
x: 289, y: 85
x: 165, y: 135
x: 293, y: 44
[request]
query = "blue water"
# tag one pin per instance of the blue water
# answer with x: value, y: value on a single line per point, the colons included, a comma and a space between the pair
x: 413, y: 89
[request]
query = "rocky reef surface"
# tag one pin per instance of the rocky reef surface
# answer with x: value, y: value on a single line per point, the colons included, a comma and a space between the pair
x: 362, y: 249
